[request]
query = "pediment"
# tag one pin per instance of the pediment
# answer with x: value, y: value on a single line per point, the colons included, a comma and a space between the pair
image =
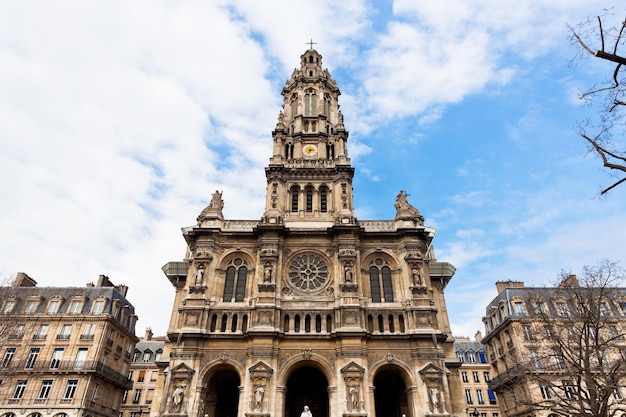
x: 352, y: 367
x: 261, y: 367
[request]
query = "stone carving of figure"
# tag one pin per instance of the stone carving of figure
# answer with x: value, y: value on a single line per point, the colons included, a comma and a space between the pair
x: 434, y: 398
x: 354, y: 398
x: 348, y: 273
x: 404, y: 208
x: 177, y: 397
x: 281, y: 117
x: 306, y: 412
x: 259, y: 393
x: 216, y: 201
x: 417, y: 276
x: 267, y: 273
x: 199, y: 275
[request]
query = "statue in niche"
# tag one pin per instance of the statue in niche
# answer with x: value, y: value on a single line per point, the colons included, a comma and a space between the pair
x: 177, y: 397
x: 354, y: 398
x: 348, y: 274
x: 306, y: 412
x: 267, y: 273
x: 199, y: 275
x: 435, y: 399
x: 259, y: 393
x: 281, y: 117
x: 416, y: 274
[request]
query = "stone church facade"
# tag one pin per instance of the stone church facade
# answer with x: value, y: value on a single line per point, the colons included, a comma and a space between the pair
x: 310, y: 310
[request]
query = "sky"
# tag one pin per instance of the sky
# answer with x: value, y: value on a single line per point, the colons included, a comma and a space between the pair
x: 118, y: 120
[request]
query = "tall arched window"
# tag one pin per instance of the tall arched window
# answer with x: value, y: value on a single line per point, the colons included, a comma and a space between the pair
x: 294, y: 105
x: 310, y: 103
x: 235, y: 284
x: 323, y: 200
x: 326, y: 105
x: 294, y: 199
x: 381, y: 286
x: 309, y: 200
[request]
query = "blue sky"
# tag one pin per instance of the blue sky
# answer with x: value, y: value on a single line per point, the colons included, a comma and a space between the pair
x: 120, y: 119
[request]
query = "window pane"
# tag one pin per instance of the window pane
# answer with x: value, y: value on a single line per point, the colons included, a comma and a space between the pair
x: 387, y: 287
x: 229, y: 284
x: 374, y: 285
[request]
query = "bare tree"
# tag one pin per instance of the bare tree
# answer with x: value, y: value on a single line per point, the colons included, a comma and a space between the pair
x: 607, y: 139
x: 577, y: 369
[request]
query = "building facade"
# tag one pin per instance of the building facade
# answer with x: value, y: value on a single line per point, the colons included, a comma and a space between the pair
x: 557, y: 350
x: 310, y: 310
x: 144, y: 374
x: 475, y: 371
x: 67, y: 351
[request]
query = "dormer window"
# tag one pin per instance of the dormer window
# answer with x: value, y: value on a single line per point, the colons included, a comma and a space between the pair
x: 53, y: 306
x: 76, y: 307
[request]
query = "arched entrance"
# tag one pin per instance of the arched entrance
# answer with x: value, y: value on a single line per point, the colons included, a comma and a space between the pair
x: 390, y: 393
x: 222, y: 399
x: 306, y: 386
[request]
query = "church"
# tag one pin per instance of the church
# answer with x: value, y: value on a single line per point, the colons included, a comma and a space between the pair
x: 309, y: 311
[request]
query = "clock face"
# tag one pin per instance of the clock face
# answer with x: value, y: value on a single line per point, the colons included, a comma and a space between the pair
x: 309, y: 149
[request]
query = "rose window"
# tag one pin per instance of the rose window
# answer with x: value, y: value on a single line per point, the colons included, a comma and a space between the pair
x: 308, y: 272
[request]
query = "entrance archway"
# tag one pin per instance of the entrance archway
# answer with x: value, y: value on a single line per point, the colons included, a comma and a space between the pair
x: 390, y: 393
x: 306, y: 386
x: 222, y: 398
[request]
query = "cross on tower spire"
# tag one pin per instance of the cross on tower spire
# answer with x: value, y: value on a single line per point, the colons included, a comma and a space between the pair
x: 311, y: 43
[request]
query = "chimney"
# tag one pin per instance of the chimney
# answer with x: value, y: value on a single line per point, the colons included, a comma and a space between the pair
x: 104, y: 281
x: 570, y: 281
x: 123, y: 289
x: 502, y: 285
x: 478, y: 336
x: 148, y: 335
x: 23, y: 280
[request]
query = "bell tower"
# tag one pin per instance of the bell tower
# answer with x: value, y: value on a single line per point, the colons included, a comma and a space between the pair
x: 309, y: 177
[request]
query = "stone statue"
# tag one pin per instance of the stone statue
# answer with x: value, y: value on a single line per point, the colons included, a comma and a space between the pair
x: 177, y: 397
x: 348, y: 273
x: 281, y: 117
x: 216, y: 201
x: 267, y: 273
x: 405, y: 210
x: 199, y: 275
x: 306, y: 412
x: 417, y: 276
x: 434, y: 398
x: 354, y: 398
x: 259, y: 393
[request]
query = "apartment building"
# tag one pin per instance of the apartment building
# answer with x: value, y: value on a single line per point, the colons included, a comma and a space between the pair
x: 65, y: 351
x: 475, y: 377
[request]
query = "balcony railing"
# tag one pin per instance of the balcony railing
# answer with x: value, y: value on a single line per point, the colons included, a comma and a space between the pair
x: 76, y: 366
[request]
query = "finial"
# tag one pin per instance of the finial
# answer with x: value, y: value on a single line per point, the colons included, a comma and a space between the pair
x: 311, y: 43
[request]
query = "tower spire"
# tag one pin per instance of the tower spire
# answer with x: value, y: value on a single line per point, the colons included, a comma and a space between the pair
x: 309, y: 177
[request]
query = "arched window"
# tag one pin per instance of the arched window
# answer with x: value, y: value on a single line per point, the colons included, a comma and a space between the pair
x: 224, y: 320
x: 380, y: 282
x: 323, y: 200
x: 326, y: 105
x: 307, y: 323
x: 329, y: 324
x: 370, y: 323
x: 236, y: 275
x: 381, y: 325
x: 244, y: 324
x: 318, y: 323
x: 392, y: 327
x: 309, y: 200
x: 294, y: 199
x: 233, y: 325
x: 286, y: 323
x: 213, y: 323
x: 310, y: 103
x: 401, y: 321
x: 294, y: 105
x: 296, y: 323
